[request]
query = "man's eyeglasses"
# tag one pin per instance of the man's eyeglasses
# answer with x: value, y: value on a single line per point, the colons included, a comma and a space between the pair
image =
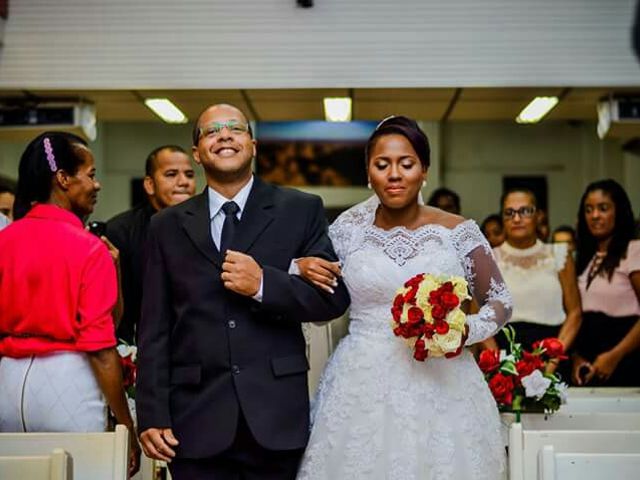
x: 524, y: 212
x: 215, y: 128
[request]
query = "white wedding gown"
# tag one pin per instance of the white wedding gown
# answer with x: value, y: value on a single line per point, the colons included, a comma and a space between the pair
x: 380, y: 414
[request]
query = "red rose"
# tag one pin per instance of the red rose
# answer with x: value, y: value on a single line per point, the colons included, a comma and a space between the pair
x: 397, y: 313
x: 489, y: 360
x: 415, y: 315
x: 449, y: 300
x: 420, y: 353
x: 447, y: 287
x: 528, y: 364
x: 410, y: 296
x: 414, y: 282
x: 428, y: 329
x: 128, y: 371
x: 414, y: 330
x: 501, y: 387
x: 434, y: 297
x: 553, y: 348
x: 398, y: 302
x: 438, y: 312
x: 442, y: 327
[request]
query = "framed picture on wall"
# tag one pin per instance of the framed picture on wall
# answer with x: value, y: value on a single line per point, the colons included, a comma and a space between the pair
x: 312, y: 153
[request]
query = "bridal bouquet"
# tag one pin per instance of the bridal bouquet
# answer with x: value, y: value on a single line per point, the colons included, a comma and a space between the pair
x: 517, y: 378
x: 426, y: 313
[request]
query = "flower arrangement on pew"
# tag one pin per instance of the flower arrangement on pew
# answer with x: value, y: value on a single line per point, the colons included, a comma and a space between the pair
x: 128, y: 356
x: 518, y: 379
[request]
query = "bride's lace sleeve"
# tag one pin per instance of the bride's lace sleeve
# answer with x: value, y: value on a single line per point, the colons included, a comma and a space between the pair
x: 485, y: 282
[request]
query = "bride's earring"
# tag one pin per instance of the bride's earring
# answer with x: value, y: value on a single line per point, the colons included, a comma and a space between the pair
x: 424, y: 183
x: 369, y: 185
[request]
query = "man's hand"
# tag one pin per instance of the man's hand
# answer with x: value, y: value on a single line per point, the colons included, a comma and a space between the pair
x: 241, y: 273
x: 157, y: 442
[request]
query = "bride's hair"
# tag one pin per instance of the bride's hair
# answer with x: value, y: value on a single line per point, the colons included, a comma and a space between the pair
x: 409, y: 129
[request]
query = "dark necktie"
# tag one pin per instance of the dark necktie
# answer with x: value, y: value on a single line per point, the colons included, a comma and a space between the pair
x: 230, y: 210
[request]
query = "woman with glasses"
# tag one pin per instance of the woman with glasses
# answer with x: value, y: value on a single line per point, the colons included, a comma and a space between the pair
x: 541, y: 277
x: 608, y: 264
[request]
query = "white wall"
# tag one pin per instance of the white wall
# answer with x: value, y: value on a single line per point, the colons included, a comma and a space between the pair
x: 218, y: 44
x: 478, y: 155
x: 469, y: 157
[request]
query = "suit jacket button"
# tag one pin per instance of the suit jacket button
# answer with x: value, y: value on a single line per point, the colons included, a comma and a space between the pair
x: 235, y: 369
x: 231, y: 324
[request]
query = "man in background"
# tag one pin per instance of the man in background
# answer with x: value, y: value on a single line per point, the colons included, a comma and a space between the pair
x: 446, y: 200
x: 169, y: 179
x: 7, y: 197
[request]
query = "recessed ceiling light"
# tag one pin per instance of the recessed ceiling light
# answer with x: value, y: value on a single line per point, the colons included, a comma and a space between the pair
x: 166, y: 110
x: 537, y: 109
x: 337, y: 109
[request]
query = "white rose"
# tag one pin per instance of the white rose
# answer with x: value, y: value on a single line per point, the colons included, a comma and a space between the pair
x: 535, y: 384
x: 461, y: 288
x: 126, y: 350
x: 449, y: 342
x: 434, y: 348
x: 457, y: 319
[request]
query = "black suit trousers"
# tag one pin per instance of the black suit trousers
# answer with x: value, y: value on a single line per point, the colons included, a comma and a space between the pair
x: 245, y: 459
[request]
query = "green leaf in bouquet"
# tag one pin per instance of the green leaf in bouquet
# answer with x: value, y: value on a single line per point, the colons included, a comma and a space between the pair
x: 509, y: 367
x: 551, y: 401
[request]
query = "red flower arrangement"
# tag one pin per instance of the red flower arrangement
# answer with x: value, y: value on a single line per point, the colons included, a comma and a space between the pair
x: 518, y: 380
x: 128, y: 354
x: 426, y: 313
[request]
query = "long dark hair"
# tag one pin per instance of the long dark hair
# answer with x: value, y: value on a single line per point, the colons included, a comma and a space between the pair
x: 623, y: 229
x: 35, y: 171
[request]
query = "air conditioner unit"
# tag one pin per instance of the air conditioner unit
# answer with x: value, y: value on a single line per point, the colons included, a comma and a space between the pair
x: 25, y: 121
x: 619, y: 117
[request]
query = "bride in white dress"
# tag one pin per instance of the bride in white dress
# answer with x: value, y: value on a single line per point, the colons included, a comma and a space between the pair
x: 378, y: 413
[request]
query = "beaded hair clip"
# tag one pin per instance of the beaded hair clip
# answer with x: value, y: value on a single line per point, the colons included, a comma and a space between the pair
x: 48, y: 149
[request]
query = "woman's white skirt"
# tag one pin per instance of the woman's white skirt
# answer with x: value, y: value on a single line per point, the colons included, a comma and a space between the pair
x: 56, y: 392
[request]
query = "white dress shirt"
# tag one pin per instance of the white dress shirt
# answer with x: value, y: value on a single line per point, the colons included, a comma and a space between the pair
x: 217, y: 216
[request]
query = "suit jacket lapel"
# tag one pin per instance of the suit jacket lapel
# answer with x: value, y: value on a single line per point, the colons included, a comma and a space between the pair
x: 197, y: 225
x: 256, y: 216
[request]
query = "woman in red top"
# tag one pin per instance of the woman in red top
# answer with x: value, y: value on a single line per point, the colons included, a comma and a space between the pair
x: 58, y: 287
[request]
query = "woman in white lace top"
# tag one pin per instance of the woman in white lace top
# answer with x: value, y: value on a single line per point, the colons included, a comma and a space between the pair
x: 378, y: 413
x: 541, y: 277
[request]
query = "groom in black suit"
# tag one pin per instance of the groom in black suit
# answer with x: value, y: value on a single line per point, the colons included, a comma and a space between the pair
x: 222, y: 376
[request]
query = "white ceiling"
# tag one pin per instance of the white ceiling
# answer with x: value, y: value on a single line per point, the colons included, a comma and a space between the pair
x: 428, y: 104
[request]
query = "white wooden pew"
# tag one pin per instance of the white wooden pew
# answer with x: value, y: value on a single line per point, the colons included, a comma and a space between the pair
x: 601, y: 399
x: 581, y: 421
x: 56, y: 466
x: 96, y: 456
x: 587, y: 466
x: 524, y: 446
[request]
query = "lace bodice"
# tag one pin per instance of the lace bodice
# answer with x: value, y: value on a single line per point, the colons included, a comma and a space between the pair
x: 376, y: 262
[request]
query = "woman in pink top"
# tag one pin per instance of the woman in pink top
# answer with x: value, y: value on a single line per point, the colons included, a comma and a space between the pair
x: 608, y: 265
x: 58, y: 287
